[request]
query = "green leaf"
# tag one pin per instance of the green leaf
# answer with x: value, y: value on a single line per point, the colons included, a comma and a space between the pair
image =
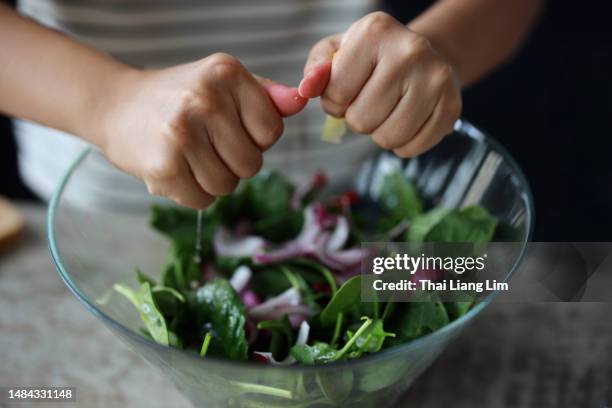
x: 317, y: 354
x: 457, y: 309
x: 321, y: 353
x: 347, y: 296
x: 280, y: 227
x: 372, y: 338
x: 281, y: 336
x: 180, y: 226
x: 149, y: 313
x: 320, y: 268
x: 181, y: 269
x: 471, y: 224
x: 416, y: 319
x: 269, y: 281
x: 268, y: 193
x: 142, y: 277
x: 400, y: 197
x: 422, y: 225
x: 217, y: 304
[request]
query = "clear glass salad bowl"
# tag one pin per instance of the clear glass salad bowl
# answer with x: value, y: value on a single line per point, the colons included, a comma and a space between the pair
x: 95, y: 248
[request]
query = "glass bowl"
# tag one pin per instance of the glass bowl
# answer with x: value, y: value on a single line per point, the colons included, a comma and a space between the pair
x: 95, y: 248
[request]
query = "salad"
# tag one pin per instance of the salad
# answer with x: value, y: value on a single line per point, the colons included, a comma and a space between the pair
x: 271, y: 273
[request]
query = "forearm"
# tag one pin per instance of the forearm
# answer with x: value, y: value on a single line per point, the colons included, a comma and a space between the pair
x: 475, y: 36
x: 51, y: 79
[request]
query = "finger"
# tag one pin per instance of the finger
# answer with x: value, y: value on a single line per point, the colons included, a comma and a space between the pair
x: 433, y: 131
x: 315, y: 80
x: 258, y: 115
x: 233, y: 145
x: 352, y: 65
x: 183, y: 188
x: 285, y: 99
x: 322, y: 52
x: 377, y: 100
x: 209, y: 170
x: 411, y: 112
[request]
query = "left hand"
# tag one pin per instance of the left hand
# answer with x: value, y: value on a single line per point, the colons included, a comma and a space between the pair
x: 386, y: 81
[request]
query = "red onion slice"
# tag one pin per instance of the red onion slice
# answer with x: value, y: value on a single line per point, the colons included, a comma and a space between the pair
x: 226, y: 244
x: 340, y: 234
x: 240, y: 278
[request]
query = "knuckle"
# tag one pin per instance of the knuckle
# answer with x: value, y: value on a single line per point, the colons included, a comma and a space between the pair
x: 377, y: 22
x: 160, y: 171
x: 357, y: 122
x: 209, y: 107
x: 404, y: 152
x: 333, y: 108
x: 177, y: 132
x: 272, y: 134
x: 383, y: 140
x: 225, y: 67
x: 445, y: 74
x: 189, y: 98
x: 413, y: 51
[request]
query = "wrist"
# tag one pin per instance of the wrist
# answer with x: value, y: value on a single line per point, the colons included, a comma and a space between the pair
x: 103, y: 99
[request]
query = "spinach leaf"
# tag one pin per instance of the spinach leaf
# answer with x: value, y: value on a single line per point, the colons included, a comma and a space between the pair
x: 416, y: 319
x: 180, y: 224
x: 457, y: 309
x: 142, y: 277
x: 371, y: 340
x: 281, y: 338
x: 347, y: 296
x: 269, y: 280
x: 280, y: 227
x: 317, y: 354
x: 471, y: 224
x: 400, y: 197
x: 149, y: 313
x: 324, y: 353
x: 422, y: 225
x: 218, y: 305
x: 181, y: 269
x: 268, y: 193
x: 320, y: 268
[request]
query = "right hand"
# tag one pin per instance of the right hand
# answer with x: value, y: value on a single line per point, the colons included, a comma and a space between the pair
x: 191, y: 132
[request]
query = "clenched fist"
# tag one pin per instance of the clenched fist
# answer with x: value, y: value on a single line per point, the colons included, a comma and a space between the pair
x: 191, y: 132
x: 386, y: 81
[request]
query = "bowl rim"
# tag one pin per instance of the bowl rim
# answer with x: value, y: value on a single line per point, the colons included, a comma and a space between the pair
x: 462, y: 126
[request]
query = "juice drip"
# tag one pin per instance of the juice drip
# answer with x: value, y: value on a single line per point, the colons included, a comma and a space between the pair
x: 198, y: 244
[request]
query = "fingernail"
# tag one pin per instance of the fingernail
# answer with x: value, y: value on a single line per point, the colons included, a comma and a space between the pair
x: 300, y: 87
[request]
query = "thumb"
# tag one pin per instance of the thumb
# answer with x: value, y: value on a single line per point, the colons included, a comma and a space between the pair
x: 318, y: 67
x: 286, y: 100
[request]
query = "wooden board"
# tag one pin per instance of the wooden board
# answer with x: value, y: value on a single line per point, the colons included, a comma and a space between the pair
x: 11, y: 223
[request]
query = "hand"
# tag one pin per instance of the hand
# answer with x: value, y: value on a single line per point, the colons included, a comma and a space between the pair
x: 387, y: 81
x: 191, y: 132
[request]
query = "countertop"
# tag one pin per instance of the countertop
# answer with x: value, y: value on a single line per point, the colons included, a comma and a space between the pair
x: 512, y: 355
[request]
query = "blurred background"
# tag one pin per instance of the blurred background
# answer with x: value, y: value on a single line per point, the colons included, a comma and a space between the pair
x: 551, y: 107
